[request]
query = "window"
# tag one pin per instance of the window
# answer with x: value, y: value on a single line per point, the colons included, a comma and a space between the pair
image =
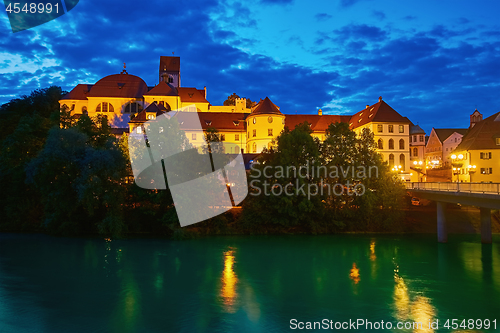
x: 84, y: 110
x: 485, y: 156
x: 254, y: 133
x: 421, y: 138
x: 391, y: 128
x: 223, y: 137
x: 401, y: 144
x: 254, y: 120
x: 193, y: 136
x: 139, y: 130
x: 380, y: 144
x: 104, y: 107
x: 151, y: 116
x: 402, y: 160
x: 410, y: 138
x: 270, y: 119
x: 401, y: 128
x: 236, y: 137
x: 380, y: 128
x: 254, y: 147
x: 237, y: 150
x: 391, y: 144
x: 498, y: 141
x: 270, y: 132
x: 486, y: 171
x: 391, y: 160
x: 415, y: 152
x: 170, y: 79
x: 132, y: 107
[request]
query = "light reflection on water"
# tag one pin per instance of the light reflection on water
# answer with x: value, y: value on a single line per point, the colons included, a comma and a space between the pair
x: 242, y: 284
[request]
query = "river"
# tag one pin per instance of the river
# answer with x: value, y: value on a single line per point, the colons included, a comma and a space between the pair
x: 248, y: 283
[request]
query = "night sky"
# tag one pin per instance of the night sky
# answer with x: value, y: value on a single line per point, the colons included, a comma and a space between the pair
x: 432, y: 61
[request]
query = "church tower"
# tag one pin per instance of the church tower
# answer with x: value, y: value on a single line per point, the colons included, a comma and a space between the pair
x: 170, y: 70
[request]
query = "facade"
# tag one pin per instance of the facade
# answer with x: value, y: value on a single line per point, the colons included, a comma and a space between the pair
x: 477, y: 158
x: 441, y: 142
x: 129, y: 102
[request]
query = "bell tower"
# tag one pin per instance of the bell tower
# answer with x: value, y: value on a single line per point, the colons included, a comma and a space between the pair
x: 170, y: 70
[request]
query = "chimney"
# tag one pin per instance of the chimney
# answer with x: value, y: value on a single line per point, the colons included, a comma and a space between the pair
x: 380, y: 99
x: 367, y: 106
x: 320, y: 112
x: 205, y: 87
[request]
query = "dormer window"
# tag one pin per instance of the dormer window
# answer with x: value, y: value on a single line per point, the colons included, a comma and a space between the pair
x: 236, y: 122
x: 208, y: 122
x: 498, y: 141
x: 151, y: 116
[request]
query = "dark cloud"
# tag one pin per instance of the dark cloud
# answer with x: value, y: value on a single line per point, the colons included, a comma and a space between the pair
x: 379, y: 15
x: 322, y: 17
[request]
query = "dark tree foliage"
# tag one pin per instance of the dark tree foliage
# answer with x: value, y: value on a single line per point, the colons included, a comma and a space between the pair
x: 343, y: 186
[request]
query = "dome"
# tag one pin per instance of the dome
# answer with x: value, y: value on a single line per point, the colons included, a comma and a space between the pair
x: 119, y: 85
x: 266, y: 107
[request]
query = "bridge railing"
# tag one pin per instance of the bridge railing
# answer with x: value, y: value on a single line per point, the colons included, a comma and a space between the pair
x: 492, y: 188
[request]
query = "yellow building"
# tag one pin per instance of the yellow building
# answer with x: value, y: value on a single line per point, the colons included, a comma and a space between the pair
x: 391, y: 134
x: 129, y: 102
x: 477, y: 157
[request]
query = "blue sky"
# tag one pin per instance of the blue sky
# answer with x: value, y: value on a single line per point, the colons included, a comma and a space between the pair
x: 432, y: 61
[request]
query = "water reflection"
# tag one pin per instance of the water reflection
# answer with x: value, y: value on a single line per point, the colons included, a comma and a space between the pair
x: 229, y: 280
x: 372, y: 250
x: 419, y: 310
x: 354, y: 275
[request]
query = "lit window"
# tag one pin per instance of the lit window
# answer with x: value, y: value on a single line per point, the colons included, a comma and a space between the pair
x: 151, y: 116
x: 139, y: 130
x: 104, y: 107
x: 270, y: 132
x: 193, y: 136
x: 391, y: 128
x: 237, y: 137
x: 380, y: 128
x: 254, y: 133
x: 401, y: 128
x: 486, y: 171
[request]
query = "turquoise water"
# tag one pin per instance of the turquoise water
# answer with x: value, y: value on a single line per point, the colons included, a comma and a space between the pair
x: 245, y: 284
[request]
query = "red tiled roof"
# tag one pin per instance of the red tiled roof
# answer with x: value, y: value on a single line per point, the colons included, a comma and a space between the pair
x: 79, y: 92
x: 162, y: 89
x: 266, y: 107
x: 170, y: 64
x: 378, y: 112
x: 483, y: 135
x: 194, y: 95
x: 318, y: 123
x: 119, y: 85
x: 444, y: 133
x: 223, y: 121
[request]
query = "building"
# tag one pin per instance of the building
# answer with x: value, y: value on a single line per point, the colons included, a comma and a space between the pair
x: 129, y: 102
x: 442, y: 141
x: 477, y: 157
x: 417, y: 153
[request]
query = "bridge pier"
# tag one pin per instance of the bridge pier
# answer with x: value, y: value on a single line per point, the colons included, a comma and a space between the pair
x: 441, y: 222
x: 485, y: 225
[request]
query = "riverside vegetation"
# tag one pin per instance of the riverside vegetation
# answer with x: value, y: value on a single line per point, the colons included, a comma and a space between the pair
x: 68, y: 176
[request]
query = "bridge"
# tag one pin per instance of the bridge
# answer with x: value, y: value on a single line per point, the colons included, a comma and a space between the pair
x: 486, y: 196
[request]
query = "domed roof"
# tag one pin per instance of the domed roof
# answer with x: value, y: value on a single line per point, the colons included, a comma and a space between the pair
x: 266, y: 107
x: 119, y: 85
x: 162, y: 89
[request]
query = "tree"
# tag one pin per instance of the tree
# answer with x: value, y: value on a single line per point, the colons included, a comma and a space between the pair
x: 231, y: 100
